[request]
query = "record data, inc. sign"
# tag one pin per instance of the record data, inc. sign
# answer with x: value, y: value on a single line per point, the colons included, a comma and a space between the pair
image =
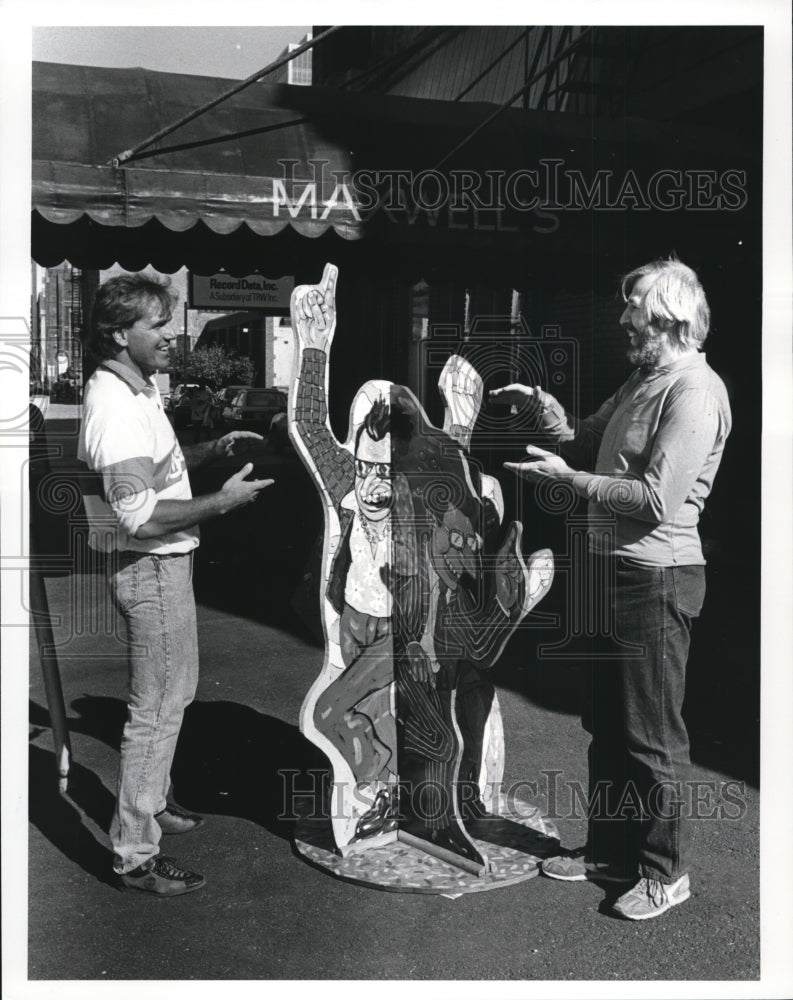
x: 222, y: 291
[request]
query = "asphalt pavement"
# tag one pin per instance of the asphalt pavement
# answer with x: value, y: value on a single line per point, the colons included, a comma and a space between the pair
x: 265, y: 913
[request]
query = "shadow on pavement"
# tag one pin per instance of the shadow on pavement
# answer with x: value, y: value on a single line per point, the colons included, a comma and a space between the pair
x: 60, y: 820
x: 98, y: 717
x: 234, y: 761
x: 230, y: 761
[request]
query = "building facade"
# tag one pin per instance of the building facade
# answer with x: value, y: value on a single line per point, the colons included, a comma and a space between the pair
x: 298, y: 71
x: 61, y: 308
x: 267, y: 340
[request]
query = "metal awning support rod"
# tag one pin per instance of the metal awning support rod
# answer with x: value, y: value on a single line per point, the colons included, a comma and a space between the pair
x: 508, y: 103
x: 226, y: 137
x: 128, y: 154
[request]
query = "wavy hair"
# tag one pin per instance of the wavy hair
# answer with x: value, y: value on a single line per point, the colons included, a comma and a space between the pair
x: 674, y: 303
x: 119, y: 304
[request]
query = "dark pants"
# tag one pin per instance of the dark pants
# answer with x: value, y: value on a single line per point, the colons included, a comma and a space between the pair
x: 475, y: 693
x: 429, y: 746
x: 633, y: 699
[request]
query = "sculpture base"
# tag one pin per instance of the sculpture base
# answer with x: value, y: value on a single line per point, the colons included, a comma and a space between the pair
x: 515, y: 839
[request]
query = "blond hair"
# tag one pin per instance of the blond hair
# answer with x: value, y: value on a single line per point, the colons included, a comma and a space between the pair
x: 674, y: 303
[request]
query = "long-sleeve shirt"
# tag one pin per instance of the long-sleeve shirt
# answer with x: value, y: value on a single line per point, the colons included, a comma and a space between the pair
x: 659, y: 443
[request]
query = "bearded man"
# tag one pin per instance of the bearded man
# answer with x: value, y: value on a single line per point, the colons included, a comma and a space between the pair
x: 653, y: 450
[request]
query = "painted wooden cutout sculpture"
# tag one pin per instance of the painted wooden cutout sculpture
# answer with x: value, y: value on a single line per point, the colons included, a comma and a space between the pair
x: 419, y: 595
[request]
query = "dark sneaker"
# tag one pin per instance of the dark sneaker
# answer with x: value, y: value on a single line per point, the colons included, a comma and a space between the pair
x: 575, y: 866
x: 381, y: 818
x: 650, y: 898
x: 162, y: 877
x: 175, y: 820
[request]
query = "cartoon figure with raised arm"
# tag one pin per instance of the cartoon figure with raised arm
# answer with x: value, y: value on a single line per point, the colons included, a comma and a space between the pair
x: 407, y: 593
x: 478, y: 710
x: 347, y: 712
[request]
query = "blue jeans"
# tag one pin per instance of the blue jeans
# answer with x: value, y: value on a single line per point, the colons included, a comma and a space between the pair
x: 154, y: 595
x: 634, y: 690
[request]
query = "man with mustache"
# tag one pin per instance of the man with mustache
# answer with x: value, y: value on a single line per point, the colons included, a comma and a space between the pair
x: 645, y: 461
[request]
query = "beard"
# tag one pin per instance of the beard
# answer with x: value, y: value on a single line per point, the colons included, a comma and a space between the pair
x: 647, y: 350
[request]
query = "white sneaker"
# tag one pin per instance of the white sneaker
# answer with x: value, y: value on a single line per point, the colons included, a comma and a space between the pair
x: 650, y: 898
x: 576, y: 866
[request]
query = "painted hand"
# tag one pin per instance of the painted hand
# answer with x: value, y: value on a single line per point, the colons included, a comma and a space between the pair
x: 313, y: 310
x: 420, y: 665
x: 541, y: 569
x: 461, y: 388
x: 510, y: 572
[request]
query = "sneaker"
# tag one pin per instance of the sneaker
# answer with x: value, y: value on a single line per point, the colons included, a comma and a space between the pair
x: 575, y: 866
x: 650, y: 898
x: 162, y: 877
x: 172, y: 819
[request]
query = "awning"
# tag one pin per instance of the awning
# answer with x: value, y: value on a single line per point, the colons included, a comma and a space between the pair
x: 85, y: 116
x: 242, y: 186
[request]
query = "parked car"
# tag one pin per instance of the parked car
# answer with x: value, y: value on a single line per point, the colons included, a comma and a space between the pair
x: 225, y: 395
x: 172, y: 400
x: 254, y: 409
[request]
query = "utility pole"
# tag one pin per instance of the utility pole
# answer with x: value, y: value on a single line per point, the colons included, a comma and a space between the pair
x: 186, y: 342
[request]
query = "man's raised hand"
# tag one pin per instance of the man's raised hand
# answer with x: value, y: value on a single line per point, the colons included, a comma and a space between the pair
x: 517, y: 395
x: 225, y: 445
x: 239, y: 491
x: 313, y: 309
x: 540, y: 464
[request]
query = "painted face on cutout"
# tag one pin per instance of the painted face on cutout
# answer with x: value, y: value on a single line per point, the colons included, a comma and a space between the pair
x: 455, y: 548
x: 373, y: 476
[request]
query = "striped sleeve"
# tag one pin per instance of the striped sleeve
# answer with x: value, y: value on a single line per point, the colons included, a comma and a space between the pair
x: 118, y: 448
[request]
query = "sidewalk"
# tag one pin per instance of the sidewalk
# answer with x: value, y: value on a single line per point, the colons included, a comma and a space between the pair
x: 265, y: 913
